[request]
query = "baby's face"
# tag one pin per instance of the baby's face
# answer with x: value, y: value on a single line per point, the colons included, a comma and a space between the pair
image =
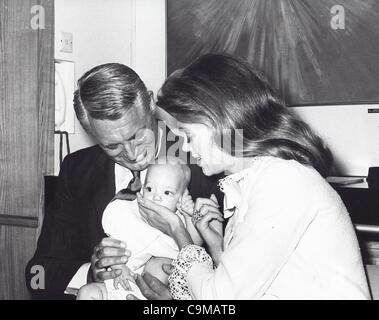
x: 164, y: 185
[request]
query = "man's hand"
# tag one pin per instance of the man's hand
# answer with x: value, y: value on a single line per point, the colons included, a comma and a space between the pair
x: 151, y: 287
x: 107, y: 253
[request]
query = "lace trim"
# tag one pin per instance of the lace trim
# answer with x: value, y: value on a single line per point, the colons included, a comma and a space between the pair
x: 237, y: 176
x: 187, y: 257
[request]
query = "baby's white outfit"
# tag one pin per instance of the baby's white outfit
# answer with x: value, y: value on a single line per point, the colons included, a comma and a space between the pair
x: 122, y: 221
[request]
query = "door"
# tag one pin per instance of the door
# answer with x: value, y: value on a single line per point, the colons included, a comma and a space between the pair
x: 26, y: 132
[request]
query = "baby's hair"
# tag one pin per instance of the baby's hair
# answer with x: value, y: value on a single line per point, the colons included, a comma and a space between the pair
x: 180, y: 164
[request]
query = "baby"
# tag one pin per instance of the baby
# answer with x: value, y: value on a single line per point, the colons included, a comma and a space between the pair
x: 165, y: 184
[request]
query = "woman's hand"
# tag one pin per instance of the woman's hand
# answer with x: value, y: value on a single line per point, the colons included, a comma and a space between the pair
x: 164, y: 220
x: 158, y: 216
x: 209, y: 223
x: 151, y: 287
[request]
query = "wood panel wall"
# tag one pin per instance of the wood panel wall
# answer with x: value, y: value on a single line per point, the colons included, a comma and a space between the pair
x: 26, y: 135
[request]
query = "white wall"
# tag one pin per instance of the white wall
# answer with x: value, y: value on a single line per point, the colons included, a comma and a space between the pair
x: 350, y: 131
x: 102, y: 32
x: 134, y: 32
x: 149, y: 56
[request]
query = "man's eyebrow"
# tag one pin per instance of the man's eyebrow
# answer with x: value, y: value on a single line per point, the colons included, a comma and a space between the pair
x: 130, y: 138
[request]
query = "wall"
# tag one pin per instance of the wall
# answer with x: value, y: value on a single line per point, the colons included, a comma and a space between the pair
x: 351, y: 132
x: 102, y: 32
x: 149, y: 59
x: 132, y: 32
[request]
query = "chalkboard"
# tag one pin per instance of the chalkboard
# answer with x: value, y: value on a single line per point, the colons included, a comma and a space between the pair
x: 312, y: 51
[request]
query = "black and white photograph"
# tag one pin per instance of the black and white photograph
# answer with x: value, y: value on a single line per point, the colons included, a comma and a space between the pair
x: 198, y: 150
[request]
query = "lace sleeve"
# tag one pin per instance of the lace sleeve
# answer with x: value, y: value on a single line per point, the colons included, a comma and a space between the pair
x: 186, y: 258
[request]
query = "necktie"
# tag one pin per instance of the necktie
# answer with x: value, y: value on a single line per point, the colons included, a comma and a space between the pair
x: 130, y: 193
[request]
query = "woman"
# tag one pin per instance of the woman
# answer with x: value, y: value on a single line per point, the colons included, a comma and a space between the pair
x: 289, y: 235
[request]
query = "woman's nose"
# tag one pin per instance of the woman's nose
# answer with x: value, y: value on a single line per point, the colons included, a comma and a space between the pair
x: 186, y: 146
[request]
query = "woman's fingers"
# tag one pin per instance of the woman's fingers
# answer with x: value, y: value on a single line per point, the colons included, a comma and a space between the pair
x: 204, y: 201
x: 145, y: 289
x: 144, y: 210
x: 149, y: 205
x: 214, y: 199
x: 204, y: 221
x: 207, y: 208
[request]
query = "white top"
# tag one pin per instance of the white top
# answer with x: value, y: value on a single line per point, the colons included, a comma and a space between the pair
x: 289, y: 237
x: 122, y: 221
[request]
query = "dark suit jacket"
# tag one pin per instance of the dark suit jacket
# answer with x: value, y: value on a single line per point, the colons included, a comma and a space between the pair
x: 72, y: 223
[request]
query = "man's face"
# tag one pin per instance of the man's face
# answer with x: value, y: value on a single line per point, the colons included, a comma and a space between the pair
x: 128, y: 141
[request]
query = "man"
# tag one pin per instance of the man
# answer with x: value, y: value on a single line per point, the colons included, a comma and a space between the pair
x: 114, y: 106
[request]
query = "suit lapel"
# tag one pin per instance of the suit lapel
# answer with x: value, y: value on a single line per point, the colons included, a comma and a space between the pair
x: 103, y: 184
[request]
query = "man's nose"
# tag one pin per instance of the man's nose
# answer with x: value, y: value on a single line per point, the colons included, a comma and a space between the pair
x: 130, y: 150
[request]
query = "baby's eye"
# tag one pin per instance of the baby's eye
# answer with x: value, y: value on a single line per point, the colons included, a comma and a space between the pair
x: 148, y: 189
x: 168, y: 193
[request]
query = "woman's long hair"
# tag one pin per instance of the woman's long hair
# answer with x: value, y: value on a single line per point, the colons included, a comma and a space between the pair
x: 227, y: 94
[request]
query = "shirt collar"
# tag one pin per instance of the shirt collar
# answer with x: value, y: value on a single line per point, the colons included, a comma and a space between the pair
x: 231, y: 188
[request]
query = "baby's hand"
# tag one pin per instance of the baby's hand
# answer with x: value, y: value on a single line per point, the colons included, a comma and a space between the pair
x: 186, y: 204
x: 124, y: 278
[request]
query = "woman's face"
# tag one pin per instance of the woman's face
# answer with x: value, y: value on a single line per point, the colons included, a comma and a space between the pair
x: 199, y: 141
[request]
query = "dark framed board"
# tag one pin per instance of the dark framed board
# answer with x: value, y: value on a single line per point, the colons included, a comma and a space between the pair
x: 313, y: 52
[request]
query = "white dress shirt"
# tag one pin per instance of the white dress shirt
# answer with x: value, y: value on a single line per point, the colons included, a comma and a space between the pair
x: 289, y: 237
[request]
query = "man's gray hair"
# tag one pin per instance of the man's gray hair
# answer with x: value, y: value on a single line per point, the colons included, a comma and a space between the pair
x: 107, y: 92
